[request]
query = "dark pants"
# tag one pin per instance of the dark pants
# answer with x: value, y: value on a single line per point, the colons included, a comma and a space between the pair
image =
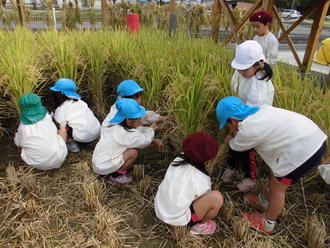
x: 246, y: 159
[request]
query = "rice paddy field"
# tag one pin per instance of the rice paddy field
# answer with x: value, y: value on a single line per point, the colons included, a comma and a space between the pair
x: 183, y: 80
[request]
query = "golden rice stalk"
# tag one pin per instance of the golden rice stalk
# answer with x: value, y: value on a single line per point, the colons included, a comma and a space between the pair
x: 318, y: 199
x: 261, y: 244
x: 93, y: 191
x: 261, y: 186
x: 315, y: 232
x: 240, y: 228
x: 285, y: 214
x: 29, y: 183
x: 27, y: 232
x: 179, y: 232
x: 30, y: 206
x: 106, y: 227
x: 191, y: 241
x: 227, y: 211
x: 144, y: 185
x: 83, y: 168
x: 138, y: 171
x: 11, y: 176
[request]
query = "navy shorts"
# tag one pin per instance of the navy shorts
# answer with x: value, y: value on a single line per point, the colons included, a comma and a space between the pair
x: 294, y: 176
x: 194, y: 218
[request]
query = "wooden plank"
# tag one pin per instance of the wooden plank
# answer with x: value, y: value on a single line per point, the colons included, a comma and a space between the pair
x: 268, y: 5
x: 216, y: 17
x: 231, y: 19
x: 105, y: 13
x: 21, y: 12
x: 292, y: 48
x: 300, y: 20
x: 238, y: 28
x: 314, y: 36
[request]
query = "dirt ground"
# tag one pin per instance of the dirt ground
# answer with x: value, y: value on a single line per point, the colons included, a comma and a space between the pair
x: 71, y: 207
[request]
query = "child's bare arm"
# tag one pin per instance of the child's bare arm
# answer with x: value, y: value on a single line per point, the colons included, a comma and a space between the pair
x: 63, y: 133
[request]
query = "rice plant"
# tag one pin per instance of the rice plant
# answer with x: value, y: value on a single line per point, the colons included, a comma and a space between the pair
x: 61, y: 55
x: 19, y: 67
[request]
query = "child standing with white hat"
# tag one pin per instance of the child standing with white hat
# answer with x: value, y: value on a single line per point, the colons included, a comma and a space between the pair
x: 74, y: 114
x: 43, y: 146
x: 289, y: 143
x: 252, y: 82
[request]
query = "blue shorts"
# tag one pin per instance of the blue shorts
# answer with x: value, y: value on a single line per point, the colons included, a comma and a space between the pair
x: 294, y: 176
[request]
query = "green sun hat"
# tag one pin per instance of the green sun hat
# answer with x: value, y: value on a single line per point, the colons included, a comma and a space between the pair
x: 31, y: 108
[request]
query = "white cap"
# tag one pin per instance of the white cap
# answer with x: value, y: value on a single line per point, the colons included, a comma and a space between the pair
x: 247, y: 54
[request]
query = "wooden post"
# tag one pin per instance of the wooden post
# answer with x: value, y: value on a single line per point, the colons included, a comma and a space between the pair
x: 328, y: 82
x: 216, y: 18
x: 105, y: 13
x: 172, y: 18
x: 231, y: 19
x: 268, y: 5
x: 21, y: 13
x: 171, y: 7
x: 293, y: 49
x: 314, y: 36
x: 238, y: 28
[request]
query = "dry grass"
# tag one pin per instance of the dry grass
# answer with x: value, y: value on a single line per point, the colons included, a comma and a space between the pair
x: 70, y: 207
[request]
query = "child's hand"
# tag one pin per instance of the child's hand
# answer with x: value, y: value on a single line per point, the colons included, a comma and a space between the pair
x: 63, y: 133
x: 158, y: 143
x: 228, y: 138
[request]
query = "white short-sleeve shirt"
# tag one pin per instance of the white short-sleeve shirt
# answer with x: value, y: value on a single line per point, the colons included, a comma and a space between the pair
x: 41, y: 146
x: 85, y: 126
x: 269, y: 44
x: 284, y: 139
x: 181, y: 186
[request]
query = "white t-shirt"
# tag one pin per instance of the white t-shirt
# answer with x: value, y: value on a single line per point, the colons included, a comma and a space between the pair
x: 252, y: 91
x: 181, y: 186
x: 85, y: 126
x: 149, y: 118
x: 41, y: 146
x: 269, y: 44
x: 108, y: 152
x: 284, y: 139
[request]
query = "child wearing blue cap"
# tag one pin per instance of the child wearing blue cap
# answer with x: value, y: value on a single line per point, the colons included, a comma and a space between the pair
x: 252, y: 82
x: 185, y: 197
x: 289, y: 143
x: 74, y: 114
x: 116, y: 150
x: 130, y: 89
x: 43, y: 146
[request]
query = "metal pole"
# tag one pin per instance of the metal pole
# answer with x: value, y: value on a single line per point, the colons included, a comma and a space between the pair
x: 54, y: 17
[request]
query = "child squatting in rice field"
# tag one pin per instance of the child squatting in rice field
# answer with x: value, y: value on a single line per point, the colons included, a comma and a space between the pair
x: 43, y: 146
x: 130, y: 89
x: 117, y: 149
x: 74, y: 114
x: 185, y: 197
x: 252, y: 82
x: 289, y: 143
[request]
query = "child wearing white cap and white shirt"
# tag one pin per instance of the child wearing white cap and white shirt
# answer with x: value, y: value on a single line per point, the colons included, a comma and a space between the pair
x: 131, y: 89
x: 74, y: 114
x: 252, y: 83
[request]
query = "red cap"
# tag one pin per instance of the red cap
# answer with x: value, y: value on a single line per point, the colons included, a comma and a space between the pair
x: 262, y: 16
x: 199, y: 147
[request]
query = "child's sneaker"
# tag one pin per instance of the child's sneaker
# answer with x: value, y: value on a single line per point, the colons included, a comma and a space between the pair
x: 256, y: 202
x: 227, y: 175
x: 205, y: 228
x: 126, y: 178
x: 246, y: 185
x: 258, y: 222
x: 72, y: 146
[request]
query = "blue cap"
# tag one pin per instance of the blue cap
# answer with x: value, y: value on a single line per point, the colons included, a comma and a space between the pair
x: 232, y: 106
x: 67, y: 87
x: 128, y: 88
x: 127, y: 109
